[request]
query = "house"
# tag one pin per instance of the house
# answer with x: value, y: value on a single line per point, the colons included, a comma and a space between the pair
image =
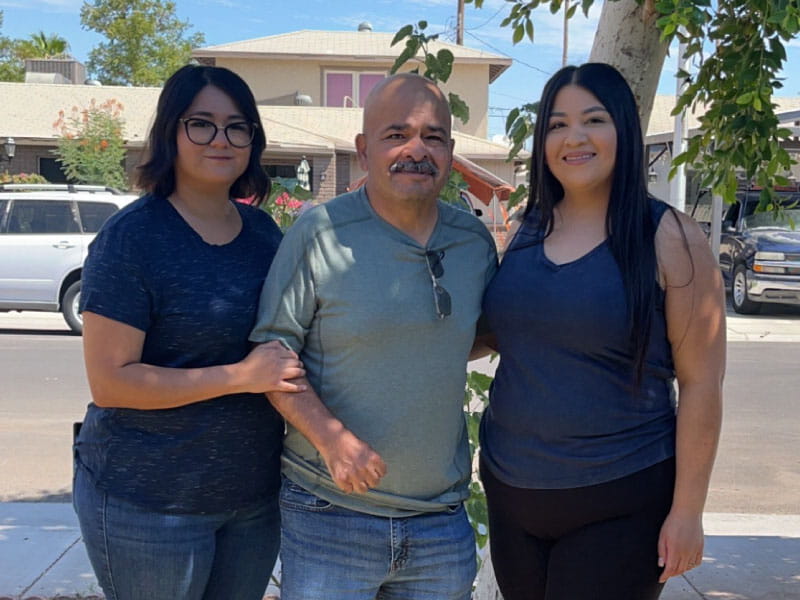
x: 658, y: 140
x: 310, y: 87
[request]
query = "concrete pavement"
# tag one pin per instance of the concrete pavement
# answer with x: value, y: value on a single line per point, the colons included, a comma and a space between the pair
x: 42, y: 555
x: 747, y: 557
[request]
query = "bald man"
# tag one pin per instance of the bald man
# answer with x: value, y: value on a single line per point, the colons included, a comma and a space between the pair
x: 379, y: 291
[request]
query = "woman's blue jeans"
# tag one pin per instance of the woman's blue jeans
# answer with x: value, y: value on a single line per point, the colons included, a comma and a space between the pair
x: 138, y: 554
x: 332, y: 553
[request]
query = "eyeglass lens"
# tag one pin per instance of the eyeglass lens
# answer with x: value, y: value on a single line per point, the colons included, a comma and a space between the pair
x: 441, y: 296
x: 202, y: 132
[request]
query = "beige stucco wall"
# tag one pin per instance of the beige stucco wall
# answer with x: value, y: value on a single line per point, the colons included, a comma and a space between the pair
x: 277, y: 81
x: 504, y: 170
x: 471, y: 83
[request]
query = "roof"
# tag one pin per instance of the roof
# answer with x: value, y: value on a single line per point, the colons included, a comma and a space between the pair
x: 362, y: 46
x: 662, y: 124
x: 31, y: 109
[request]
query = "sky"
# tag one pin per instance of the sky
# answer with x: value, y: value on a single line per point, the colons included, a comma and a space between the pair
x: 224, y: 21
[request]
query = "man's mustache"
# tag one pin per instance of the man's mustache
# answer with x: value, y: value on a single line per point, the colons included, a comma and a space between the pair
x: 425, y: 167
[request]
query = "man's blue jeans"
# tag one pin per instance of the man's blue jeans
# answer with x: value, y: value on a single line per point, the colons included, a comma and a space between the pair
x: 332, y: 553
x: 139, y: 554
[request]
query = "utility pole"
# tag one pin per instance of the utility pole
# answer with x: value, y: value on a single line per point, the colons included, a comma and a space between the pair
x: 460, y: 24
x: 566, y: 34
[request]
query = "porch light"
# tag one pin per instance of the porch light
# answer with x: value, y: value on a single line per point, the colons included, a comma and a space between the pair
x: 10, y: 146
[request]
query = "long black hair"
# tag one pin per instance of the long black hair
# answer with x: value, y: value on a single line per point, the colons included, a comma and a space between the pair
x: 629, y: 222
x: 157, y: 173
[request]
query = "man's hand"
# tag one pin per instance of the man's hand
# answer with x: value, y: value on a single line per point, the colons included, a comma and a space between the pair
x: 354, y: 466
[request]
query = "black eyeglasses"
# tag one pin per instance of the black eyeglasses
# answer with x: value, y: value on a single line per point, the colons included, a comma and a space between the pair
x: 440, y: 295
x: 202, y: 132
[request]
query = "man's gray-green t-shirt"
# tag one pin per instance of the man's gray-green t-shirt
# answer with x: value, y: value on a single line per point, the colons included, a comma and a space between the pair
x: 353, y: 296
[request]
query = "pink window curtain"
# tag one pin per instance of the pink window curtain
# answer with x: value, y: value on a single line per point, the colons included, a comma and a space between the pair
x: 339, y: 89
x: 367, y: 81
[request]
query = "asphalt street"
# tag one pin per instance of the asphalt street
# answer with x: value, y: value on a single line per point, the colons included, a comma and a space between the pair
x: 44, y: 390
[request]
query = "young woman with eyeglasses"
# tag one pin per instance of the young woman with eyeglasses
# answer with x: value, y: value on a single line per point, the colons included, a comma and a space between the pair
x: 606, y: 296
x: 177, y: 461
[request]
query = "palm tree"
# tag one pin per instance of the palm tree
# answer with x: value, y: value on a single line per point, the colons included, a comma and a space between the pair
x: 42, y: 45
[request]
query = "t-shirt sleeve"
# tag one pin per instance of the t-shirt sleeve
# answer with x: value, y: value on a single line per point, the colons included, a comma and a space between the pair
x: 112, y: 284
x: 482, y: 327
x: 288, y: 300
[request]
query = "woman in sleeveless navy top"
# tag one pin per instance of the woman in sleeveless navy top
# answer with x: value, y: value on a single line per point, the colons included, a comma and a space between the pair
x: 177, y: 461
x: 595, y: 473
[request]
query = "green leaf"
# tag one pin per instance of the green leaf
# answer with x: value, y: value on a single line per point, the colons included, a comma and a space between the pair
x: 458, y: 107
x: 404, y: 32
x: 445, y: 58
x: 777, y: 48
x: 519, y: 33
x: 406, y: 55
x: 512, y: 116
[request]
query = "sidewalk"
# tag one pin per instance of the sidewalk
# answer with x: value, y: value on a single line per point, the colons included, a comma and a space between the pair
x: 747, y: 557
x: 42, y: 555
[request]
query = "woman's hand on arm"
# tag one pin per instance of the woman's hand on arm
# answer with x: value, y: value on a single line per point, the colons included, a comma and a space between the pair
x: 118, y: 378
x: 695, y: 312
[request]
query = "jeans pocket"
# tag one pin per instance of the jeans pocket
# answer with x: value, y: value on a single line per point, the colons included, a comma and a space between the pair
x: 295, y: 497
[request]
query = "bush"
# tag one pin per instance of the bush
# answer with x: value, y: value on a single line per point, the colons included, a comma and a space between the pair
x: 91, y: 148
x: 22, y: 178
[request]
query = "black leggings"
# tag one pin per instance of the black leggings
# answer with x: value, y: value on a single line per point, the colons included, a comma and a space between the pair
x: 591, y: 543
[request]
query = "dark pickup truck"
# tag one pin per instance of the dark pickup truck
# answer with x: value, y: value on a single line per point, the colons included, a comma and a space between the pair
x: 760, y: 254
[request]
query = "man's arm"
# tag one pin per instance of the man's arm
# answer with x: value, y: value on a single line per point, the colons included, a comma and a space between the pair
x: 353, y: 465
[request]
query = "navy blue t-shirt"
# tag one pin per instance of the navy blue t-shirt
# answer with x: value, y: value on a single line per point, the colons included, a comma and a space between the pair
x: 196, y: 303
x: 564, y: 410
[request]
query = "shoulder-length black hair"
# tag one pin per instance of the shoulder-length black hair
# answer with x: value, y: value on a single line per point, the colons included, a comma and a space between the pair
x: 157, y: 173
x: 629, y: 222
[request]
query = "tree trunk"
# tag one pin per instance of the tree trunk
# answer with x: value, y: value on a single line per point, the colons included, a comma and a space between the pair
x: 628, y: 39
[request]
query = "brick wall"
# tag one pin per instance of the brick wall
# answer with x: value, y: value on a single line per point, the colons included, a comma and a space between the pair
x: 325, y: 178
x: 342, y: 172
x: 27, y: 160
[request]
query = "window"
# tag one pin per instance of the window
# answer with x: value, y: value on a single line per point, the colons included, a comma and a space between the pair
x: 3, y: 215
x: 288, y: 173
x: 284, y: 171
x: 50, y: 169
x: 349, y: 88
x: 37, y: 216
x: 94, y: 214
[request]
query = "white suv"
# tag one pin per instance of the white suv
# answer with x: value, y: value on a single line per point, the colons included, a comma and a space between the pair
x: 45, y: 231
